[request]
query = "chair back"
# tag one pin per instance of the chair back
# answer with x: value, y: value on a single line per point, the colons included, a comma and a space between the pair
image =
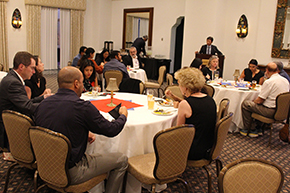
x: 282, y: 106
x: 209, y: 90
x: 251, y: 175
x: 16, y: 126
x: 169, y: 79
x: 175, y: 90
x: 142, y: 87
x: 1, y: 67
x: 221, y: 131
x: 171, y: 147
x: 69, y: 63
x: 113, y: 74
x: 223, y: 109
x: 52, y: 151
x: 162, y: 70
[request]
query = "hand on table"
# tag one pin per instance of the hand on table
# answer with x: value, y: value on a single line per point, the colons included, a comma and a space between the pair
x: 123, y: 111
x: 91, y: 137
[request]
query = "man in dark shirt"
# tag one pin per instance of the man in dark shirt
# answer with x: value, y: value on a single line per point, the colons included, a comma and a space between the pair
x: 66, y: 113
x: 208, y: 48
x: 139, y: 44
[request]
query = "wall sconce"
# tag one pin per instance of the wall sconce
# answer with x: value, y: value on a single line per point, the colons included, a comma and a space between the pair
x: 16, y: 19
x: 242, y: 28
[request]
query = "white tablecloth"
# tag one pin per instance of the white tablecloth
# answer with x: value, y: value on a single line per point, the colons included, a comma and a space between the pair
x: 2, y: 74
x: 139, y: 74
x: 137, y: 136
x: 236, y: 97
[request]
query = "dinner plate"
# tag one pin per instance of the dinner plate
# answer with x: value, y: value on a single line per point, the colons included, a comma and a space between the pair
x: 164, y: 113
x: 164, y: 104
x: 245, y: 89
x: 88, y: 93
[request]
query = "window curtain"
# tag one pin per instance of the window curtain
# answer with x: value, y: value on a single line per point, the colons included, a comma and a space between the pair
x: 3, y: 36
x: 49, y: 37
x: 64, y: 37
x: 33, y: 29
x: 76, y: 31
x: 140, y: 27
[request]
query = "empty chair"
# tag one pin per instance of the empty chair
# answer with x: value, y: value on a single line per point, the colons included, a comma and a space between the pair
x: 282, y: 108
x: 169, y: 79
x: 113, y: 74
x: 208, y: 89
x: 52, y: 151
x: 220, y: 136
x: 175, y: 90
x: 16, y: 126
x: 171, y: 147
x: 223, y: 109
x: 251, y: 175
x: 152, y: 85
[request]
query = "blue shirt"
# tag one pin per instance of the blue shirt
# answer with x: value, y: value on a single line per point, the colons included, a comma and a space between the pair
x: 285, y: 75
x: 76, y: 59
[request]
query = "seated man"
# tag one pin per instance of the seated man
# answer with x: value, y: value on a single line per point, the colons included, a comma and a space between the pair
x: 66, y: 113
x: 78, y: 57
x: 115, y: 64
x: 265, y: 104
x: 133, y: 60
x: 281, y: 71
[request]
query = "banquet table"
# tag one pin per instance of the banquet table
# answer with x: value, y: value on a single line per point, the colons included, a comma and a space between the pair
x: 137, y: 136
x: 236, y: 95
x: 139, y: 74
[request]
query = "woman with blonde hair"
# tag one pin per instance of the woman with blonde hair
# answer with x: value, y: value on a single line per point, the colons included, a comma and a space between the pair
x: 197, y: 109
x: 209, y: 71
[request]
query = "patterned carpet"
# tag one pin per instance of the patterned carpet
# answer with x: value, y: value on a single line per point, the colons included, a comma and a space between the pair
x: 236, y: 147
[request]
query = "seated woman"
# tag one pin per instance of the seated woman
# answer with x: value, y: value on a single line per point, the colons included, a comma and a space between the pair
x: 209, y: 71
x: 103, y: 58
x: 253, y: 73
x: 89, y: 54
x: 197, y: 109
x: 36, y: 85
x: 87, y: 67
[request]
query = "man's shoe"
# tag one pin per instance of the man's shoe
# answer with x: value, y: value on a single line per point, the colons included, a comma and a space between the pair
x: 244, y: 132
x: 254, y: 133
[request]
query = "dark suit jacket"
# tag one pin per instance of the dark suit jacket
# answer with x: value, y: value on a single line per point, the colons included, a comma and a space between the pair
x: 139, y: 44
x: 13, y: 97
x: 214, y: 50
x: 127, y: 60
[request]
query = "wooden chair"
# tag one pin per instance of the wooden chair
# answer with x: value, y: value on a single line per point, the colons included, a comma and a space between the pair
x: 171, y: 147
x: 221, y: 132
x: 209, y: 90
x: 16, y: 126
x: 113, y: 74
x: 251, y: 175
x: 169, y: 79
x: 175, y: 90
x: 281, y: 113
x: 152, y: 85
x: 52, y: 151
x: 142, y: 87
x: 223, y: 109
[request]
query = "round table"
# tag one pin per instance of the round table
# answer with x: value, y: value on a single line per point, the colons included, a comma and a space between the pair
x: 237, y: 96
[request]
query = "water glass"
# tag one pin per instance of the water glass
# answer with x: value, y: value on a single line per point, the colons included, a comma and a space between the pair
x: 95, y: 91
x: 216, y: 75
x: 254, y: 83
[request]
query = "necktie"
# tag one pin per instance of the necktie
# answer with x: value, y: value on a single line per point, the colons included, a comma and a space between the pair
x: 208, y: 50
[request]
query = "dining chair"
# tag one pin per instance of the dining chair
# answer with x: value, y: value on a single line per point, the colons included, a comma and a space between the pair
x: 141, y: 87
x: 223, y: 108
x: 251, y: 175
x: 52, y: 151
x: 208, y: 89
x: 113, y: 74
x: 281, y: 113
x: 169, y: 79
x: 1, y: 67
x: 171, y: 147
x: 16, y: 126
x: 175, y: 90
x: 221, y: 131
x: 152, y: 85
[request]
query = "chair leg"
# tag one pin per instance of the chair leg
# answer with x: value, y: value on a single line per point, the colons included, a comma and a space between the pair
x: 40, y: 187
x: 35, y: 180
x: 184, y: 183
x: 271, y: 128
x: 219, y: 166
x: 208, y: 179
x: 153, y: 188
x: 7, y: 177
x: 124, y: 182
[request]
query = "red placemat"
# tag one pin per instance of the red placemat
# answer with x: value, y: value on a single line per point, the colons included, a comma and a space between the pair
x: 102, y: 104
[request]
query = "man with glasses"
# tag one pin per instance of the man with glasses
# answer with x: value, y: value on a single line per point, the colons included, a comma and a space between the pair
x: 13, y: 95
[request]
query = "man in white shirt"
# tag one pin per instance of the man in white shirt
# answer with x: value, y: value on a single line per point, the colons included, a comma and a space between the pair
x: 265, y: 103
x: 133, y: 60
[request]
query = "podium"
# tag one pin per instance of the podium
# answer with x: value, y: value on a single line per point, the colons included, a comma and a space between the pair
x: 207, y: 56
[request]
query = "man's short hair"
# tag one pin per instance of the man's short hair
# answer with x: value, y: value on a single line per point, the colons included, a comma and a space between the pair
x: 82, y: 49
x: 67, y: 77
x: 279, y: 65
x: 209, y: 38
x: 22, y: 58
x: 270, y: 69
x: 114, y: 53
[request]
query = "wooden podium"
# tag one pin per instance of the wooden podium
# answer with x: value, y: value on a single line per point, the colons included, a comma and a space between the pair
x: 207, y: 56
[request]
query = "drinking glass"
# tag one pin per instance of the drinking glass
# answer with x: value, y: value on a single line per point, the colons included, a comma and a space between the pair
x: 216, y: 75
x: 95, y: 91
x: 254, y: 83
x: 150, y: 99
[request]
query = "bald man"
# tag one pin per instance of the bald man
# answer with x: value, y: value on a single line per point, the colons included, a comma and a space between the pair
x: 77, y: 119
x: 265, y: 103
x: 133, y: 60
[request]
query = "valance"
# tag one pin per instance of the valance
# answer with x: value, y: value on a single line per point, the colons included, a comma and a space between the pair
x: 65, y: 4
x: 4, y: 0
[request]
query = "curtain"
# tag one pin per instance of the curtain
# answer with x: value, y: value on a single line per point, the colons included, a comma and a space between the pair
x: 64, y: 37
x: 76, y: 31
x: 49, y: 37
x: 33, y: 23
x: 140, y: 27
x: 3, y: 36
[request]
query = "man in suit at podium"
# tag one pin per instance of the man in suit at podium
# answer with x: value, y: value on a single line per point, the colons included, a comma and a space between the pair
x: 208, y: 48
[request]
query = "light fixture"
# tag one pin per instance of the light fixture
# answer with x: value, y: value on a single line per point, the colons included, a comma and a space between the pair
x: 16, y: 19
x: 242, y: 28
x: 236, y: 74
x: 112, y: 86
